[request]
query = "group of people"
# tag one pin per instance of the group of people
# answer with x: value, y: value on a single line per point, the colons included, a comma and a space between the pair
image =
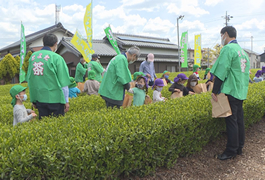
x: 49, y: 83
x: 260, y: 75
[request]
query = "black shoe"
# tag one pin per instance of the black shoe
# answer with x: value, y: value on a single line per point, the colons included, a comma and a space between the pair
x: 225, y: 157
x: 239, y: 151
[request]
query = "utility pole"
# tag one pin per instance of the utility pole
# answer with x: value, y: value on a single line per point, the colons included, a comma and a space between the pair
x: 57, y: 11
x: 227, y: 18
x: 180, y: 17
x: 208, y: 58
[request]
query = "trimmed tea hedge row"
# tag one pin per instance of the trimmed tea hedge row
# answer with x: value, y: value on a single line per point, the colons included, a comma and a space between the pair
x: 106, y: 143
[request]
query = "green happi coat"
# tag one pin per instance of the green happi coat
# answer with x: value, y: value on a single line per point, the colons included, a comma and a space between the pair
x: 232, y: 67
x: 47, y: 74
x: 94, y: 65
x: 80, y: 72
x: 117, y: 74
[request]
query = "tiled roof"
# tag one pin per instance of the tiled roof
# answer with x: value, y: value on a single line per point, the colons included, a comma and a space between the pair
x: 249, y: 51
x: 143, y: 41
x: 31, y: 37
x: 101, y: 47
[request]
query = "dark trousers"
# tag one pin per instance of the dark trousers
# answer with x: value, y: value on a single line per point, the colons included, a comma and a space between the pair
x: 50, y: 109
x: 235, y: 127
x: 112, y: 105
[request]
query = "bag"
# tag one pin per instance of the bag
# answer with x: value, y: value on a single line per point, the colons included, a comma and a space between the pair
x: 210, y: 86
x: 80, y: 86
x: 176, y: 95
x: 147, y: 100
x: 199, y: 88
x: 221, y: 108
x: 132, y: 84
x: 127, y: 101
x: 165, y: 82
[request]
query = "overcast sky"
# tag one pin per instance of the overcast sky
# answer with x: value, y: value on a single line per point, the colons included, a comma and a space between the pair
x: 142, y: 17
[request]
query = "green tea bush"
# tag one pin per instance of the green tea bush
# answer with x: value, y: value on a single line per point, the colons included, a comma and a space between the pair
x: 93, y: 142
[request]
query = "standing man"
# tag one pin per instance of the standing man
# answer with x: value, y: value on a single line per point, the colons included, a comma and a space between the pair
x: 231, y: 72
x: 147, y: 67
x: 95, y: 66
x: 117, y: 77
x: 80, y: 71
x: 48, y: 79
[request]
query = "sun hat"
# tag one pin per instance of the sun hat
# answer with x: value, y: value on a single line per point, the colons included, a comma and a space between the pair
x: 258, y: 73
x: 91, y: 75
x: 180, y: 76
x: 150, y: 57
x: 73, y: 83
x: 136, y: 74
x: 14, y: 91
x: 195, y: 66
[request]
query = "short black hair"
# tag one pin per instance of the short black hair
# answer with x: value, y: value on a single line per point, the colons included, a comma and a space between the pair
x: 49, y: 40
x: 231, y: 31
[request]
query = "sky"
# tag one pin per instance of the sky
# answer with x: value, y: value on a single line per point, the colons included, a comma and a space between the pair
x: 154, y: 18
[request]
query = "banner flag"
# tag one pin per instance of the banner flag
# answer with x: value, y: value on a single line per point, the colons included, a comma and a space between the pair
x: 23, y: 51
x: 88, y: 25
x: 184, y: 49
x: 197, y: 50
x: 112, y: 39
x: 81, y: 45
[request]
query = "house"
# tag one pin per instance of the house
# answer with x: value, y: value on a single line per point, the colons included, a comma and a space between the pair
x: 262, y: 59
x: 254, y: 59
x: 34, y: 40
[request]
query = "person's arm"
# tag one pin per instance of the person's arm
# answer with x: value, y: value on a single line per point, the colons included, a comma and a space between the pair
x: 156, y: 96
x: 85, y: 87
x: 77, y: 90
x: 216, y: 88
x: 141, y: 69
x: 172, y: 87
x: 66, y: 94
x: 98, y: 67
x: 127, y: 86
x: 19, y: 116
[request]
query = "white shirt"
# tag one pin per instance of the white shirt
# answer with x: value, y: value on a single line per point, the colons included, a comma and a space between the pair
x: 157, y: 96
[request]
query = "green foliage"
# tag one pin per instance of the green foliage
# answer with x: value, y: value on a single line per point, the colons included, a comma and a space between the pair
x: 8, y: 68
x: 26, y: 62
x: 93, y: 142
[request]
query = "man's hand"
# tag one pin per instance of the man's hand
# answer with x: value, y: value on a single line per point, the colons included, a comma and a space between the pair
x: 32, y: 111
x: 214, y: 96
x: 148, y: 75
x: 176, y: 90
x: 66, y: 107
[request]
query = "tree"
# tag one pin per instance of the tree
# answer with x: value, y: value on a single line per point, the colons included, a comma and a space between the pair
x: 26, y: 62
x: 8, y: 68
x: 217, y: 49
x: 206, y: 55
x: 17, y: 58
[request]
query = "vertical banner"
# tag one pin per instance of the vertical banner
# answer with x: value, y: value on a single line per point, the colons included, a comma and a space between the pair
x: 81, y: 45
x: 184, y: 49
x: 23, y: 47
x: 88, y: 24
x: 197, y: 50
x: 112, y: 40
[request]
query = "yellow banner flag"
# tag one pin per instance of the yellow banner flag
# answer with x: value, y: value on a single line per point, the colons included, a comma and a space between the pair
x: 197, y: 50
x: 88, y: 24
x: 81, y: 45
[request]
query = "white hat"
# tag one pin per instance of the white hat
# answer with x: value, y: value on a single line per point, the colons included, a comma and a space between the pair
x: 150, y: 57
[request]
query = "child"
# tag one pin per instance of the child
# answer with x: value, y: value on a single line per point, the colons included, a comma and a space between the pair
x: 195, y: 70
x: 192, y: 82
x: 178, y: 85
x: 139, y: 92
x: 158, y: 85
x: 135, y: 76
x: 20, y: 113
x: 91, y: 85
x: 206, y: 73
x: 73, y: 90
x: 258, y: 76
x: 165, y: 77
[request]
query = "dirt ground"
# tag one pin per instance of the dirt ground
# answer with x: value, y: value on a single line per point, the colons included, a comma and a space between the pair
x: 204, y: 165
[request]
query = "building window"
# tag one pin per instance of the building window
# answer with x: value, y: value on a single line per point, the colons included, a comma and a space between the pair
x: 171, y: 68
